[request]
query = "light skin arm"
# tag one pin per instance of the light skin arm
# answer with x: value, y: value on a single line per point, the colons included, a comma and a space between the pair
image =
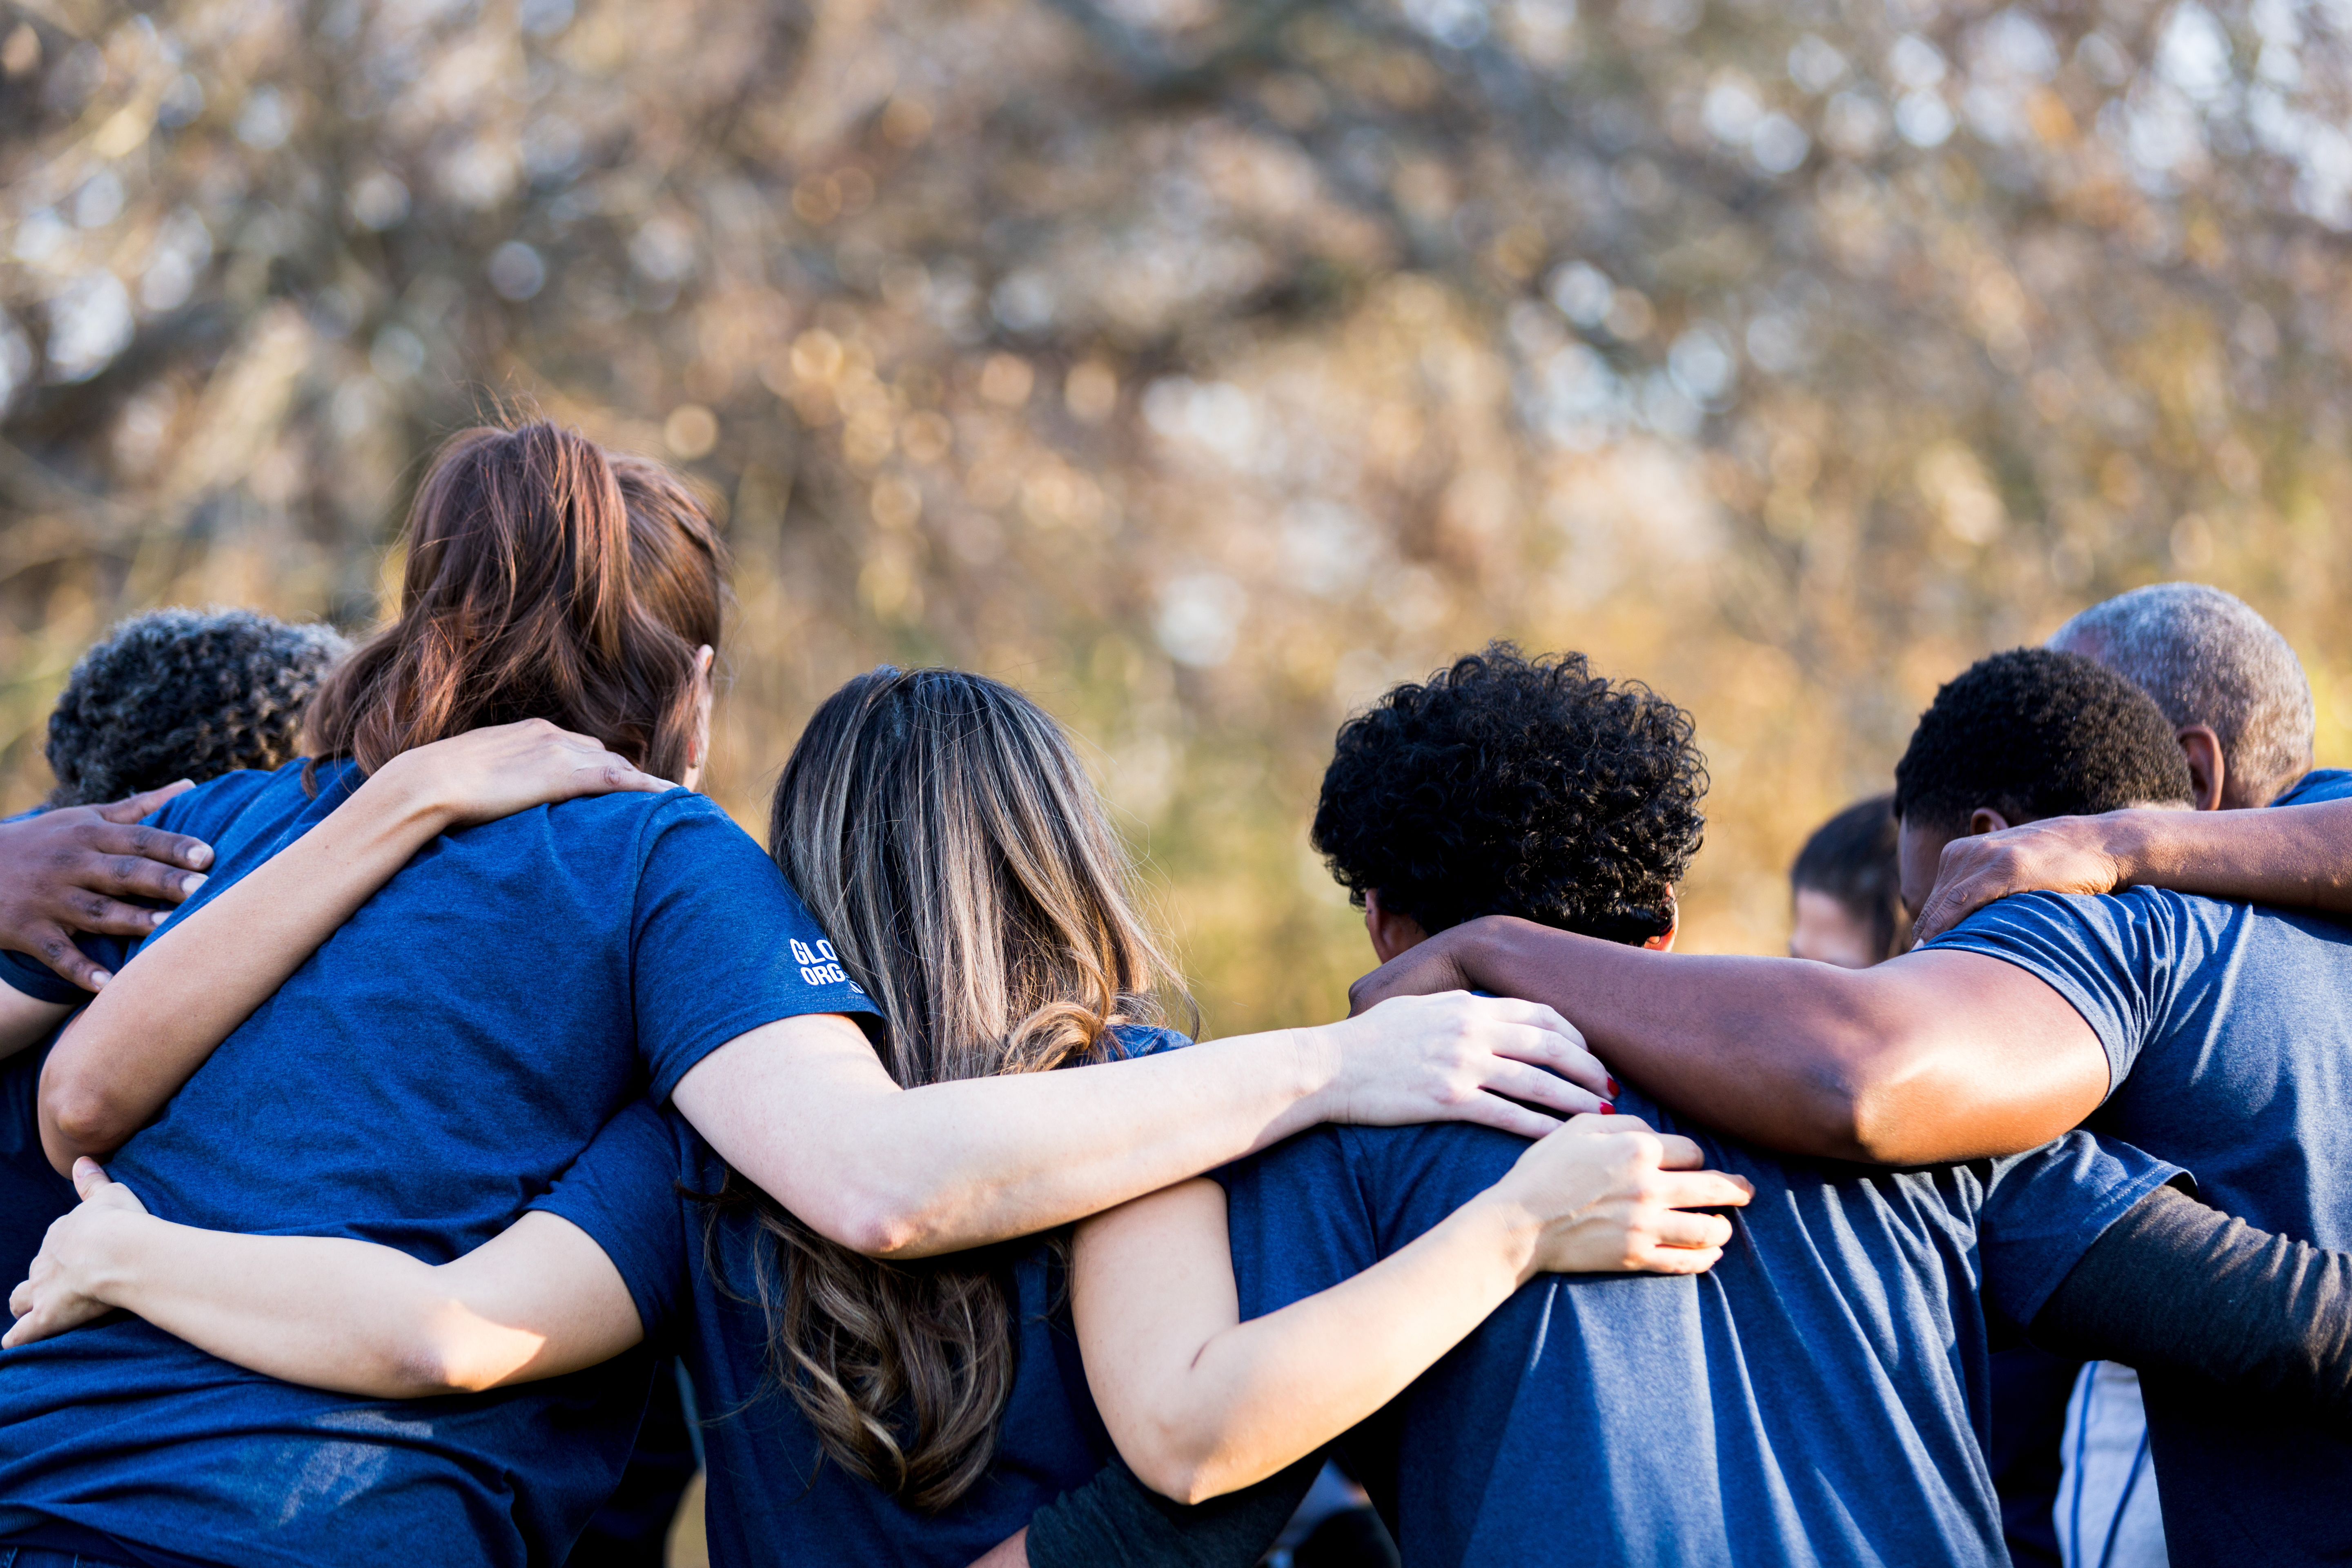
x: 158, y: 1021
x: 2294, y: 857
x: 1202, y: 1404
x: 540, y: 1301
x: 804, y: 1108
x: 1935, y: 1056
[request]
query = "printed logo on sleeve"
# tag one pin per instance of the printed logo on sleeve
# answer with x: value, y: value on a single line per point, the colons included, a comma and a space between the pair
x: 820, y: 966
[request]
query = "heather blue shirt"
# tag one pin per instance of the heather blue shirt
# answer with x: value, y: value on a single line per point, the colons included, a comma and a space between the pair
x: 774, y: 1497
x: 419, y: 1081
x: 1817, y: 1398
x: 2228, y: 1031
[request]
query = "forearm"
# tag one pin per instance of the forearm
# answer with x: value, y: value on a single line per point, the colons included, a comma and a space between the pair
x: 2177, y: 1287
x: 2297, y: 857
x: 915, y: 1173
x: 1260, y: 1395
x: 142, y: 1036
x: 1909, y: 1063
x: 332, y: 1313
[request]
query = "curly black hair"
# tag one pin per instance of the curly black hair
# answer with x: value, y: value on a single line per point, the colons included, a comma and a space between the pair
x: 185, y: 694
x: 1518, y: 786
x: 2034, y: 733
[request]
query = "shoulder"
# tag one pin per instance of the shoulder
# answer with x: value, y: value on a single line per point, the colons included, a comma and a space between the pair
x: 2318, y: 786
x: 1132, y: 1042
x: 207, y: 810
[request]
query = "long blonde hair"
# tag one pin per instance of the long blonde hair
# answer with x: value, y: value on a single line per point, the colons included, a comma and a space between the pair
x: 943, y: 832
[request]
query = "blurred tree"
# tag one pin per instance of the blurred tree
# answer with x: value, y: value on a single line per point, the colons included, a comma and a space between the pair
x: 1204, y: 365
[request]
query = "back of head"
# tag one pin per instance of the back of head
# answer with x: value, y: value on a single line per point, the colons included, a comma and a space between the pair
x: 1852, y: 857
x: 2207, y: 658
x: 941, y: 829
x: 1518, y: 786
x: 2032, y: 733
x: 545, y: 579
x: 191, y: 694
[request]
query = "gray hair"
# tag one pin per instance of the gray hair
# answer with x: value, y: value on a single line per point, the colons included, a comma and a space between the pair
x: 2207, y: 658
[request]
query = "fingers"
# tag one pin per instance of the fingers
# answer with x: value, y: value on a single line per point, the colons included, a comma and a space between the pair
x: 1678, y: 1229
x: 112, y: 917
x: 1676, y: 1259
x: 1491, y: 1110
x: 1701, y: 1189
x: 1947, y: 906
x: 55, y: 946
x: 1521, y: 1082
x: 20, y: 1300
x: 132, y: 807
x: 88, y: 1177
x: 146, y: 860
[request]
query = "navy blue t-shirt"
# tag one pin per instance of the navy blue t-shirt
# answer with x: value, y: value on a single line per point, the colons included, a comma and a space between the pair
x: 2227, y: 1030
x: 774, y: 1497
x: 32, y: 1194
x: 419, y: 1081
x: 1817, y: 1398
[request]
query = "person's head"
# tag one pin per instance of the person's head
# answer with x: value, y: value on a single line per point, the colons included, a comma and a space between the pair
x: 942, y: 829
x: 2022, y: 735
x: 1515, y: 786
x: 185, y: 694
x: 2237, y: 696
x: 1847, y: 888
x: 546, y: 578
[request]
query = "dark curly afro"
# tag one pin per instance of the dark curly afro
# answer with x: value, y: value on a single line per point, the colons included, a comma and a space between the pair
x: 2033, y: 733
x: 1516, y: 787
x: 185, y: 694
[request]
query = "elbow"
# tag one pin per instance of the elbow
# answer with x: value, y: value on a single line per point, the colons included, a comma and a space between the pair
x: 78, y: 1119
x: 1179, y: 1477
x: 879, y: 1225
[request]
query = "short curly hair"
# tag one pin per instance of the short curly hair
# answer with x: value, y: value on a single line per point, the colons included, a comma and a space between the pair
x: 185, y: 694
x: 1518, y: 786
x: 2033, y: 733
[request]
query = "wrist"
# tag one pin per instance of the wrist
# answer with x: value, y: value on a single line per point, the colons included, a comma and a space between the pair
x: 1510, y: 1233
x: 2133, y: 846
x: 101, y: 1253
x: 402, y: 798
x: 1318, y: 1056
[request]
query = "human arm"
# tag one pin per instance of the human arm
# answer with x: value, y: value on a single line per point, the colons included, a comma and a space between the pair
x: 1201, y: 1402
x: 804, y: 1108
x: 1932, y: 1058
x: 539, y: 1300
x: 193, y: 985
x: 2295, y: 857
x: 72, y: 869
x: 2174, y: 1286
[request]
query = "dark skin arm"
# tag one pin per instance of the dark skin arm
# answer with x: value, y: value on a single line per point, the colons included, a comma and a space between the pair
x: 1933, y: 1057
x: 2294, y: 857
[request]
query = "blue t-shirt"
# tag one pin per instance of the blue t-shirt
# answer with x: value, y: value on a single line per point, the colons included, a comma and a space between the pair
x: 31, y: 1191
x: 1817, y: 1398
x: 419, y: 1081
x: 642, y: 1190
x: 2227, y: 1030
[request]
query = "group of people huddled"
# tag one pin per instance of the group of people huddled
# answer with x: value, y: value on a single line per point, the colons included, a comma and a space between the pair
x: 441, y: 1105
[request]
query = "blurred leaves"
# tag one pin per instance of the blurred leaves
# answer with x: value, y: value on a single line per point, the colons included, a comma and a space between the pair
x: 1205, y: 365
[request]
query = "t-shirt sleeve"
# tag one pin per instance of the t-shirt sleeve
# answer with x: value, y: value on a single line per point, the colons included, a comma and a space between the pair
x: 623, y: 1191
x: 720, y: 944
x: 1296, y: 1220
x: 2112, y: 958
x: 2044, y: 1208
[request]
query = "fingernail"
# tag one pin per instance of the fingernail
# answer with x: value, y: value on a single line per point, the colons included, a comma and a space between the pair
x: 190, y: 884
x: 155, y: 917
x: 97, y: 979
x: 1613, y: 1091
x: 200, y: 857
x: 1607, y: 1108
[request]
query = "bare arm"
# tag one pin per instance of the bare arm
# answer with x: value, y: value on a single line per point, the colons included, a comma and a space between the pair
x: 1202, y: 1404
x: 540, y: 1301
x: 158, y: 1021
x: 2296, y: 856
x: 1933, y: 1057
x: 804, y: 1108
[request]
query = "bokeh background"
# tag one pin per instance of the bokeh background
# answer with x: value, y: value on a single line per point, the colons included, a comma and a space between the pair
x: 1206, y: 365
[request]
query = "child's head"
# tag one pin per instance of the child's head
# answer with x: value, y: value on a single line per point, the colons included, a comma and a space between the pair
x: 545, y: 578
x: 1847, y: 889
x: 943, y: 832
x: 1518, y: 786
x: 185, y: 694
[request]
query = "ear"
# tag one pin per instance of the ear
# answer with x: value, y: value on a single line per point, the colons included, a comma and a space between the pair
x: 1392, y: 931
x: 1665, y: 940
x: 2209, y: 770
x: 1984, y: 819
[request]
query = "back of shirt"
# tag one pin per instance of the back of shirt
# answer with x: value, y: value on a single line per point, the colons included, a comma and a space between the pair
x: 1815, y: 1399
x: 2227, y: 1030
x: 418, y: 1081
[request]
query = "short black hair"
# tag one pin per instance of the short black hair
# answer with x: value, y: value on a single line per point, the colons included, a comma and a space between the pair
x: 1518, y: 786
x: 1852, y: 859
x: 185, y: 694
x: 2034, y: 733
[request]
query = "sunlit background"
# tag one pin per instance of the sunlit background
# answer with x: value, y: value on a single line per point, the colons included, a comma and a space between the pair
x: 1203, y: 366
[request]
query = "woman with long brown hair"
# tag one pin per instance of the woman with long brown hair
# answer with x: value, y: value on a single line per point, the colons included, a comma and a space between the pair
x: 859, y: 1410
x: 492, y: 984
